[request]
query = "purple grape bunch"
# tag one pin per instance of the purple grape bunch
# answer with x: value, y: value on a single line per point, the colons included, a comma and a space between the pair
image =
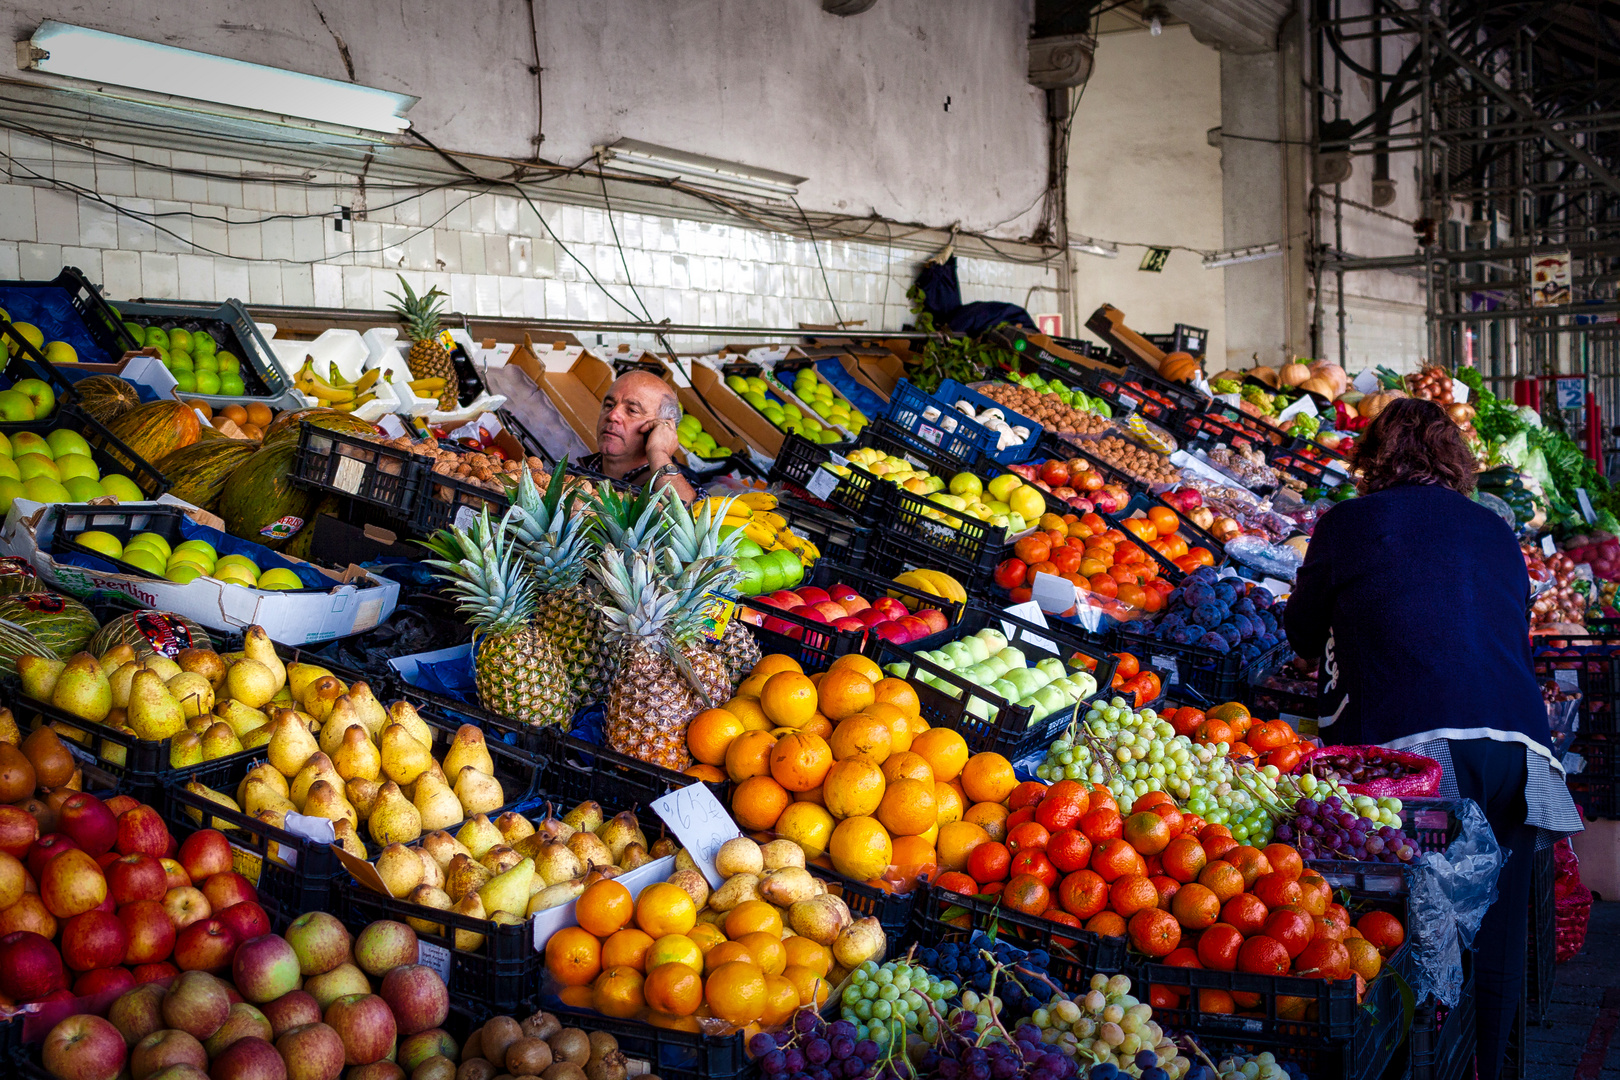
x: 959, y: 1056
x: 1330, y: 830
x: 810, y: 1048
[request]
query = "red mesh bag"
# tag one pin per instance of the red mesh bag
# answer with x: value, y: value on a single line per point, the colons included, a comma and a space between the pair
x: 1422, y: 782
x: 1572, y: 902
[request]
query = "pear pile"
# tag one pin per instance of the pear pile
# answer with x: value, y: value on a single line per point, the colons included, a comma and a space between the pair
x: 208, y: 704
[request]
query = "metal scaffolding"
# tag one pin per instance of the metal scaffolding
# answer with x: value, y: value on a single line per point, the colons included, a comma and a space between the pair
x: 1513, y: 110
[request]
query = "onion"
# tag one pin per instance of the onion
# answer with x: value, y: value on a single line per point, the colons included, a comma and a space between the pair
x: 1460, y: 414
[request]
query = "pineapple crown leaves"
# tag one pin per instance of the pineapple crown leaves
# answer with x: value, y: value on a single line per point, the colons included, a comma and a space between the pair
x: 493, y: 592
x: 633, y: 522
x: 693, y: 537
x: 421, y: 312
x: 556, y: 538
x: 653, y: 599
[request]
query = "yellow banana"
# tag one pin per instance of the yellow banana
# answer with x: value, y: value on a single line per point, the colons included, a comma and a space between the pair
x: 433, y: 385
x: 335, y: 378
x: 758, y: 500
x: 942, y: 585
x: 328, y: 393
x: 759, y: 533
x: 770, y: 517
x: 367, y: 379
x: 913, y: 580
x: 730, y: 508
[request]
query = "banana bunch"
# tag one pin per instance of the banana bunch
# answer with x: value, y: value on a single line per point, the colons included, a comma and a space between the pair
x: 755, y: 514
x: 333, y: 390
x: 934, y: 583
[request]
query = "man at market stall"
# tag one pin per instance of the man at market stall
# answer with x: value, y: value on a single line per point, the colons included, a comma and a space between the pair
x: 1417, y: 599
x: 636, y: 435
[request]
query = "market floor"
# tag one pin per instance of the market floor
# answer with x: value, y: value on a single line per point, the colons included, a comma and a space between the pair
x: 1580, y: 1037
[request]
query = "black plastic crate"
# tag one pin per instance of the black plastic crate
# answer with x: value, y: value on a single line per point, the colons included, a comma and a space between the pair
x: 940, y: 917
x: 99, y: 335
x: 986, y: 721
x: 1138, y: 506
x: 1144, y: 393
x: 800, y: 460
x: 110, y: 453
x: 233, y: 331
x: 1223, y: 423
x: 1280, y: 702
x: 672, y: 1053
x: 358, y: 468
x: 892, y: 910
x: 1596, y: 788
x: 1217, y: 676
x: 574, y: 770
x: 1442, y: 1042
x: 964, y: 547
x: 444, y: 501
x: 835, y: 535
x: 294, y: 873
x: 1540, y: 969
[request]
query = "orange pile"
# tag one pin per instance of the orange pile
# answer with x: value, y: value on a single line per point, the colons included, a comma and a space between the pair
x: 1270, y: 743
x: 1098, y: 559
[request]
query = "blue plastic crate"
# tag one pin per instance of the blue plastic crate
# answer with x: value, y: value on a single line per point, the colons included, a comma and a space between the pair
x: 950, y: 392
x: 908, y: 412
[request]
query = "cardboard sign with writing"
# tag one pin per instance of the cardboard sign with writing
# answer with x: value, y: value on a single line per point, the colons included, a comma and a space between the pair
x: 700, y: 823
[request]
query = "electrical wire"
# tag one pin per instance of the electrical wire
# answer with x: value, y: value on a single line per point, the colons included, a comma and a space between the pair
x: 624, y: 260
x: 837, y: 316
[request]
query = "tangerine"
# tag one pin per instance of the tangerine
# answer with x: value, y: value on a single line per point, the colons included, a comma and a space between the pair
x: 1364, y: 958
x: 710, y: 732
x: 781, y: 1000
x: 800, y: 761
x: 1216, y: 1001
x: 747, y: 710
x: 736, y: 992
x: 1107, y: 924
x: 605, y: 908
x: 908, y: 808
x: 574, y: 956
x: 1154, y: 932
x: 725, y: 953
x: 899, y: 693
x: 1064, y: 804
x: 957, y: 839
x: 705, y: 935
x: 674, y: 988
x: 1034, y: 861
x: 627, y: 948
x: 1317, y: 894
x: 811, y: 985
x: 802, y: 952
x: 1291, y: 926
x: 863, y: 736
x: 1383, y: 930
x: 749, y: 755
x: 757, y: 802
x: 988, y: 777
x: 945, y: 751
x: 1324, y: 958
x: 772, y: 663
x: 1216, y: 847
x: 1083, y: 893
x: 1218, y: 947
x: 1028, y: 894
x: 1102, y: 823
x: 989, y: 862
x: 1284, y: 860
x: 853, y: 787
x: 752, y: 916
x: 1196, y: 906
x: 1147, y: 832
x: 1027, y: 793
x: 807, y: 824
x: 857, y: 662
x: 1223, y: 879
x: 1262, y: 955
x: 905, y: 765
x: 788, y: 699
x: 914, y: 860
x: 1250, y: 861
x: 1133, y: 893
x: 617, y: 992
x: 1183, y: 859
x: 1247, y: 912
x: 991, y: 817
x: 1069, y: 850
x: 1168, y: 887
x: 842, y: 692
x: 1276, y: 891
x: 860, y: 848
x: 1028, y: 835
x: 663, y: 909
x: 1113, y: 859
x: 767, y: 950
x: 706, y: 773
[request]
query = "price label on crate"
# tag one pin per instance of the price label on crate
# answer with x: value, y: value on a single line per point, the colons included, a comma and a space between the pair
x: 465, y: 516
x: 391, y: 426
x: 1052, y: 593
x: 822, y: 484
x: 247, y: 863
x: 1547, y: 546
x: 1303, y: 405
x: 434, y: 956
x: 348, y: 475
x: 1567, y: 678
x: 837, y: 459
x: 311, y: 828
x: 1127, y: 402
x: 1366, y: 382
x: 1586, y: 505
x: 700, y: 823
x: 1167, y: 664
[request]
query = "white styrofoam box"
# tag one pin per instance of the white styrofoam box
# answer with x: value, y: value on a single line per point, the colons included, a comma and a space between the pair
x: 341, y: 347
x: 384, y: 349
x: 483, y: 403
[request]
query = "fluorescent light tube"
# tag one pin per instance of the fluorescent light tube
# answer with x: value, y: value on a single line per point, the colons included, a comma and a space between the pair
x: 646, y: 159
x: 1242, y: 255
x: 111, y: 59
x: 1099, y: 248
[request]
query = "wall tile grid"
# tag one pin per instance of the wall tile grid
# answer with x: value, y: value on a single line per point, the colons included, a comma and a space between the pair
x: 179, y: 225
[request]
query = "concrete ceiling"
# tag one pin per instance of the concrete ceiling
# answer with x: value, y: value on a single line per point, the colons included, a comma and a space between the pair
x: 1244, y: 26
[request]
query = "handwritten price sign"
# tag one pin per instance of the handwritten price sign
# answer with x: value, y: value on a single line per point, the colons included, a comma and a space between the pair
x: 700, y: 823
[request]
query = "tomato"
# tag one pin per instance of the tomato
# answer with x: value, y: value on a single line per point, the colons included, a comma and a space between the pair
x: 1141, y: 528
x: 1067, y: 559
x: 1164, y: 520
x: 1201, y: 556
x: 1040, y: 568
x: 1103, y: 585
x: 1012, y: 573
x: 1018, y: 596
x: 1033, y: 548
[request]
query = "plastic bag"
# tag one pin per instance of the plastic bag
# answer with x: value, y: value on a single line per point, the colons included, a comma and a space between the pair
x: 1274, y: 560
x: 1422, y: 783
x: 1451, y: 891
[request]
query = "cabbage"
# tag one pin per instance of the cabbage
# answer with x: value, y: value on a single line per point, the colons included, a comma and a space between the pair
x: 1515, y: 450
x: 1528, y: 416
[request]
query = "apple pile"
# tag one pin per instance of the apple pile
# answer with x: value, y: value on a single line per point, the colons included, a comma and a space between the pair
x: 303, y: 1006
x: 187, y: 561
x: 1077, y: 482
x: 56, y: 467
x: 842, y: 608
x: 986, y: 660
x: 1008, y: 501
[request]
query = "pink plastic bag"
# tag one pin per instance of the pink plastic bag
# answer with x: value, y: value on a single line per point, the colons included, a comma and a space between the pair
x: 1573, y: 904
x: 1424, y: 783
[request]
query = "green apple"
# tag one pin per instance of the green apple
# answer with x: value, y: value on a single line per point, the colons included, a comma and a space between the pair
x: 180, y: 338
x: 757, y: 384
x: 122, y: 488
x: 157, y: 337
x: 1004, y: 485
x: 206, y: 362
x: 237, y: 560
x: 62, y: 441
x: 227, y: 362
x: 183, y: 573
x: 279, y: 577
x: 83, y: 489
x: 756, y: 398
x: 203, y: 342
x: 32, y: 465
x: 40, y: 393
x: 9, y: 468
x: 236, y: 575
x: 146, y: 559
x: 10, y: 490
x: 71, y: 465
x: 15, y: 407
x: 136, y: 331
x: 207, y: 382
x: 46, y: 490
x: 103, y: 542
x: 689, y: 426
x: 156, y: 540
x: 31, y: 333
x: 967, y: 485
x: 60, y: 352
x: 184, y: 381
x: 828, y: 436
x: 179, y: 362
x: 5, y: 445
x: 28, y: 442
x: 231, y: 383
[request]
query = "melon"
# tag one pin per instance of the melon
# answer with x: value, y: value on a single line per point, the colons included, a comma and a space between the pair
x: 198, y: 472
x: 150, y: 633
x: 106, y: 397
x: 155, y: 430
x: 17, y: 576
x: 288, y: 424
x: 61, y: 623
x: 261, y: 490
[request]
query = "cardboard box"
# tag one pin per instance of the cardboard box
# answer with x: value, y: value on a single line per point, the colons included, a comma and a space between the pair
x: 879, y: 370
x: 761, y: 434
x: 356, y: 602
x: 338, y: 541
x: 574, y: 378
x: 1598, y: 848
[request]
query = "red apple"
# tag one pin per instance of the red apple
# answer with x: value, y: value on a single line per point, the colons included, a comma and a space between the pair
x: 754, y: 615
x: 265, y: 968
x: 93, y: 940
x: 377, y: 1070
x: 248, y: 1059
x: 136, y: 877
x: 312, y: 1052
x: 871, y: 616
x: 917, y: 628
x: 782, y: 626
x: 186, y: 906
x: 291, y: 1010
x: 890, y: 607
x: 148, y: 931
x: 851, y: 601
x: 18, y: 831
x: 138, y: 1012
x: 242, y: 1022
x: 417, y: 996
x: 47, y: 848
x: 935, y: 619
x: 787, y: 598
x: 30, y: 967
x: 322, y: 943
x: 811, y: 595
x: 141, y: 830
x: 365, y: 1024
x: 849, y: 623
x: 417, y: 1048
x: 205, y: 853
x: 161, y: 1049
x: 155, y: 973
x: 206, y: 945
x: 174, y: 873
x: 196, y: 1003
x: 892, y: 631
x: 831, y: 611
x: 28, y: 913
x: 92, y: 983
x: 247, y: 919
x: 118, y: 804
x: 223, y: 890
x: 384, y: 945
x: 106, y: 859
x: 810, y: 614
x: 84, y: 1047
x: 71, y: 884
x: 87, y: 819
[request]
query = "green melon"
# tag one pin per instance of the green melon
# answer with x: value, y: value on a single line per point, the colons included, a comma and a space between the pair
x: 17, y: 576
x: 198, y: 472
x: 17, y: 642
x: 106, y: 397
x: 151, y: 632
x: 260, y: 491
x: 61, y: 623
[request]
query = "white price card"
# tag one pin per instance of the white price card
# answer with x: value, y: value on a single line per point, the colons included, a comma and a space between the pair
x: 822, y: 483
x: 1276, y: 587
x: 391, y: 426
x: 434, y: 956
x: 1586, y: 505
x: 1460, y: 391
x: 1052, y: 593
x: 700, y: 823
x: 465, y: 516
x: 1303, y: 405
x: 1547, y: 546
x: 1166, y: 664
x: 312, y: 828
x: 1567, y: 678
x: 1366, y: 382
x: 1030, y: 612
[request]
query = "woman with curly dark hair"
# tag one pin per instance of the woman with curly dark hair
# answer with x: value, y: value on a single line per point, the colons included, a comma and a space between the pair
x: 1417, y: 600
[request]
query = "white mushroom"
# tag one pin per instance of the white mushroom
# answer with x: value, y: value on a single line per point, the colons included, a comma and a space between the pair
x: 966, y: 408
x: 1022, y: 432
x: 991, y: 414
x: 948, y: 423
x: 931, y: 414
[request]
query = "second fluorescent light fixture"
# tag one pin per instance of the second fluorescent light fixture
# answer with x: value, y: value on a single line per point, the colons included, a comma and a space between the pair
x: 632, y: 156
x: 111, y: 59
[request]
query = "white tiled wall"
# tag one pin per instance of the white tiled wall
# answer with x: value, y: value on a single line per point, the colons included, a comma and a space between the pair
x: 201, y: 238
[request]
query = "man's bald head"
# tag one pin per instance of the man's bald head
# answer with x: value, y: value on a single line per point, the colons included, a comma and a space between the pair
x: 635, y: 399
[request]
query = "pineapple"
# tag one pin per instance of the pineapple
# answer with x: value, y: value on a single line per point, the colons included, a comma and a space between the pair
x: 653, y: 610
x: 558, y: 539
x: 427, y: 358
x: 695, y: 537
x: 518, y: 670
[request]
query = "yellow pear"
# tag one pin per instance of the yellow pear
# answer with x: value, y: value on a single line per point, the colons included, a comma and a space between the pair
x: 326, y: 800
x: 269, y: 774
x: 404, y: 758
x: 393, y: 819
x: 258, y: 646
x: 291, y: 746
x: 299, y: 676
x: 399, y: 867
x: 514, y: 826
x: 116, y: 657
x: 358, y: 756
x: 342, y: 717
x: 590, y: 849
x: 405, y: 715
x: 362, y: 795
x: 551, y: 896
x: 251, y: 683
x: 509, y: 892
x: 199, y: 724
x: 479, y: 792
x: 428, y: 896
x: 619, y: 832
x: 436, y: 803
x: 197, y: 788
x: 319, y: 695
x: 205, y: 662
x: 348, y: 838
x: 464, y: 876
x: 185, y: 749
x: 441, y: 847
x: 471, y: 906
x: 9, y: 732
x: 318, y: 767
x: 499, y: 859
x: 432, y: 872
x: 369, y: 709
x: 556, y: 862
x: 166, y: 669
x: 241, y: 718
x: 259, y: 736
x: 193, y: 692
x: 219, y: 741
x: 257, y: 795
x: 153, y: 713
x: 277, y: 852
x: 586, y: 817
x: 82, y: 689
x: 468, y: 749
x: 478, y: 835
x: 39, y: 675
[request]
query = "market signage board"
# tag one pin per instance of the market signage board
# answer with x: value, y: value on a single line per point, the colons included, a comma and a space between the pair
x: 1571, y: 391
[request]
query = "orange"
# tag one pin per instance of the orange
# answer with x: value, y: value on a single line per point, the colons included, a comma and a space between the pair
x: 1223, y: 879
x: 773, y: 663
x: 989, y: 778
x: 860, y: 848
x: 908, y: 807
x: 725, y: 953
x: 957, y: 839
x: 750, y: 755
x: 1382, y: 929
x: 947, y: 802
x: 605, y: 908
x: 674, y: 988
x: 863, y: 735
x: 853, y: 787
x: 899, y: 693
x: 818, y: 725
x: 814, y: 795
x: 627, y: 948
x: 991, y: 817
x: 710, y: 732
x: 900, y: 735
x: 905, y: 765
x: 800, y: 762
x: 748, y: 711
x: 1106, y: 923
x: 676, y: 949
x: 945, y: 751
x: 844, y: 692
x: 617, y: 992
x: 807, y: 824
x: 757, y: 802
x: 802, y: 952
x: 704, y: 935
x: 1364, y: 958
x: 1196, y: 906
x: 1132, y: 893
x: 663, y: 909
x: 705, y: 772
x: 781, y: 1000
x: 1146, y: 832
x: 574, y: 956
x: 856, y: 662
x: 788, y: 698
x: 766, y: 949
x: 914, y: 860
x: 736, y: 992
x: 751, y: 916
x: 811, y: 984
